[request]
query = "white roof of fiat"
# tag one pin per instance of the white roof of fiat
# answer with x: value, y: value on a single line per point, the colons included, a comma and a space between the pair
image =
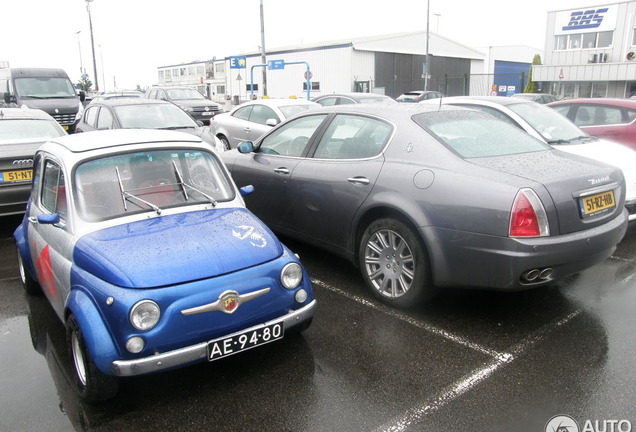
x: 80, y: 146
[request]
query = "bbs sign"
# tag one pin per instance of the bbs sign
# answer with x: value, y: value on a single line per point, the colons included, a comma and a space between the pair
x: 587, y: 20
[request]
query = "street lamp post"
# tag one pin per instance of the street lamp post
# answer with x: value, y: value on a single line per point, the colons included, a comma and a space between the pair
x: 101, y: 60
x: 263, y: 57
x: 79, y: 44
x: 90, y: 23
x: 426, y: 62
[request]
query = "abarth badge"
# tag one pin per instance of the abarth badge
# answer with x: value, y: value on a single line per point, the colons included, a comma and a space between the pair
x: 228, y: 302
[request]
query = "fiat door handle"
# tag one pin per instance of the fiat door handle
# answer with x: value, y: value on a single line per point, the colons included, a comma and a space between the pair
x: 359, y: 180
x: 281, y: 170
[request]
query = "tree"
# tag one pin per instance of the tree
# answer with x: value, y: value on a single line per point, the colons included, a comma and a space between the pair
x: 532, y: 86
x: 85, y: 83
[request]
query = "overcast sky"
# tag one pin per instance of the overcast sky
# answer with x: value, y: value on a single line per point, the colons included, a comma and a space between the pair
x: 134, y: 37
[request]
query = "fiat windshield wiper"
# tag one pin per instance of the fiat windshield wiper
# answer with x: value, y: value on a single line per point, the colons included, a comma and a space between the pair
x: 184, y: 185
x: 125, y: 195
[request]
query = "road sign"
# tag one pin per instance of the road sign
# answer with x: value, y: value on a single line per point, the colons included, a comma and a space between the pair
x: 276, y: 64
x: 238, y: 62
x: 308, y: 77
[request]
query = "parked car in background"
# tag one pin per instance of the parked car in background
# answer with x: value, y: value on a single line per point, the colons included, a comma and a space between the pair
x: 554, y: 129
x: 422, y: 197
x: 48, y: 89
x: 419, y: 95
x: 143, y: 246
x: 141, y: 113
x: 189, y: 100
x: 608, y: 118
x: 22, y: 131
x: 353, y: 98
x: 252, y: 119
x: 542, y: 98
x: 117, y: 95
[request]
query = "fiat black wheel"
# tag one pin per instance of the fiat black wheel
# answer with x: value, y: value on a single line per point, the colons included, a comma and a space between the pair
x: 30, y: 285
x: 92, y: 384
x: 394, y: 264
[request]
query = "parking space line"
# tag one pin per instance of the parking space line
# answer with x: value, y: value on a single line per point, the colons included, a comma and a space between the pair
x: 428, y: 327
x: 417, y: 414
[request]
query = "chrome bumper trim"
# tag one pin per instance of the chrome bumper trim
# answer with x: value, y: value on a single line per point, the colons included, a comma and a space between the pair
x: 196, y: 352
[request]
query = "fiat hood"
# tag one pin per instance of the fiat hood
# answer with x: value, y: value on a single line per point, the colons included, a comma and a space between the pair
x: 177, y: 248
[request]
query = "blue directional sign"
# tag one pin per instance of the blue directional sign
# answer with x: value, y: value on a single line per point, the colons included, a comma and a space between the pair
x: 276, y: 64
x: 238, y: 62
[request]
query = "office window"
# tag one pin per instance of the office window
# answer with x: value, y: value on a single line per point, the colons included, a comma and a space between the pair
x: 585, y: 41
x: 315, y: 85
x: 589, y: 40
x: 599, y: 90
x: 605, y: 39
x: 561, y: 43
x: 585, y: 90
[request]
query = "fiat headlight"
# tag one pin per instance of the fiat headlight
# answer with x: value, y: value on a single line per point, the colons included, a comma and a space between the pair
x: 291, y: 276
x: 144, y: 315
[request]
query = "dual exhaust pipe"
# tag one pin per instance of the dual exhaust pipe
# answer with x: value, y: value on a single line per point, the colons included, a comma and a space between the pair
x: 536, y: 275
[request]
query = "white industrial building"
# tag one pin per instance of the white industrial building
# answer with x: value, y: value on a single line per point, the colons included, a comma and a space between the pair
x: 387, y: 64
x: 590, y: 52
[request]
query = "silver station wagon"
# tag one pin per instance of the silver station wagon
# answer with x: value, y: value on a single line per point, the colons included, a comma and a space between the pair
x: 425, y: 197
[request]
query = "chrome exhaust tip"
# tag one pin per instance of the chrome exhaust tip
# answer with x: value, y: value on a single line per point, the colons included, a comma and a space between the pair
x: 531, y: 275
x: 546, y: 273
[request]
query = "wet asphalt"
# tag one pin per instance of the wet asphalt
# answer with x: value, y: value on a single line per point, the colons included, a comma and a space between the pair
x: 465, y: 361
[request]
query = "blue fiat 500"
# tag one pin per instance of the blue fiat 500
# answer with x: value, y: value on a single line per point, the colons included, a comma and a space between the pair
x: 142, y: 244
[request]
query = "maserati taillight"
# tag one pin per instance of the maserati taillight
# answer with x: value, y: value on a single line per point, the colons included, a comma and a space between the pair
x: 528, y: 217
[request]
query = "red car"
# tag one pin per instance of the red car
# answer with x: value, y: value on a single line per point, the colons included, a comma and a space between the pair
x: 609, y: 118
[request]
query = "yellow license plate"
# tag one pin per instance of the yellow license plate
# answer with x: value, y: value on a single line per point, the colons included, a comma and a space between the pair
x: 15, y: 176
x: 595, y: 204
